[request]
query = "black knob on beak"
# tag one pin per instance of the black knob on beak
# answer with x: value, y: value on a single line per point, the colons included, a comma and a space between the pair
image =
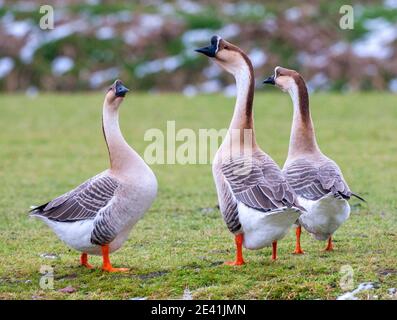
x: 121, y: 90
x: 212, y: 49
x: 270, y: 80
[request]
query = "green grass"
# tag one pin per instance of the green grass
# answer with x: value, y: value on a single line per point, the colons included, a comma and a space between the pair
x: 54, y: 142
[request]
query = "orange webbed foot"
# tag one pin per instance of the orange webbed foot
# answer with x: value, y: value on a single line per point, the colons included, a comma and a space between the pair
x: 239, y: 252
x: 298, y: 251
x: 111, y: 269
x: 107, y: 266
x: 234, y: 263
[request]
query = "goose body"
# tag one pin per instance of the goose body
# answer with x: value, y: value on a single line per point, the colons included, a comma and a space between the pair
x: 97, y: 216
x: 316, y: 179
x: 257, y: 203
x: 322, y: 191
x: 101, y: 210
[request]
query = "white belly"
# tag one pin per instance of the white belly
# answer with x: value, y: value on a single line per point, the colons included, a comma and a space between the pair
x: 262, y: 228
x: 77, y: 235
x: 324, y: 216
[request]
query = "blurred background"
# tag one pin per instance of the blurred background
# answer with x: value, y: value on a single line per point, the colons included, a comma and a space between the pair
x: 149, y: 44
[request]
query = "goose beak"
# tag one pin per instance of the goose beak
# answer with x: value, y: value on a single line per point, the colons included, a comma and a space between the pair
x: 121, y: 90
x: 211, y: 50
x: 269, y: 80
x: 208, y: 51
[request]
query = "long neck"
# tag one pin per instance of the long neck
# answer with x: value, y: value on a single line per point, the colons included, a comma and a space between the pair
x: 241, y: 129
x: 303, y: 138
x: 120, y: 153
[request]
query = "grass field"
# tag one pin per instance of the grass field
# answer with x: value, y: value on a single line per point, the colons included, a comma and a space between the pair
x: 52, y: 143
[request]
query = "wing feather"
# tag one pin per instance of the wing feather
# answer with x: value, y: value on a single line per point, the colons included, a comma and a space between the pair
x: 84, y: 202
x: 258, y: 182
x: 313, y: 180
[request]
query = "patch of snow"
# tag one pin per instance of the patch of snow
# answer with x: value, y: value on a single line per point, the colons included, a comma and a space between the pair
x: 189, y: 6
x: 210, y: 86
x: 190, y: 91
x: 24, y: 6
x: 393, y: 85
x: 192, y: 37
x: 61, y: 65
x: 392, y: 291
x: 376, y: 42
x: 138, y: 298
x: 18, y: 29
x: 293, y: 14
x: 258, y: 57
x: 105, y: 33
x: 6, y: 66
x: 243, y: 9
x: 93, y: 2
x: 187, y: 294
x: 351, y: 295
x: 212, y: 71
x: 319, y: 81
x: 270, y: 25
x: 318, y: 60
x: 130, y: 37
x: 32, y: 92
x: 168, y: 64
x: 124, y: 16
x: 150, y: 22
x: 99, y: 77
x: 229, y: 31
x: 338, y: 48
x: 37, y: 38
x: 166, y: 8
x: 49, y: 256
x: 391, y: 4
x: 230, y: 91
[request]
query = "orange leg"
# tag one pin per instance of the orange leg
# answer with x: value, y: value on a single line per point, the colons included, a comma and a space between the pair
x: 330, y: 246
x: 274, y: 252
x: 84, y: 261
x: 239, y: 251
x: 107, y: 266
x: 298, y: 249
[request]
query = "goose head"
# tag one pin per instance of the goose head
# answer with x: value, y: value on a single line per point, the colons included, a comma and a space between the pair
x: 284, y: 78
x: 228, y: 56
x: 116, y: 94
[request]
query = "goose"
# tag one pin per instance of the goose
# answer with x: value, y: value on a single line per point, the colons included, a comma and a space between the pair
x: 257, y: 203
x: 316, y: 179
x: 97, y: 216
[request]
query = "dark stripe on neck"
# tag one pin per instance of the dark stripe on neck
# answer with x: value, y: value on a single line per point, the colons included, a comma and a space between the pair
x: 303, y: 100
x: 250, y: 94
x: 106, y: 141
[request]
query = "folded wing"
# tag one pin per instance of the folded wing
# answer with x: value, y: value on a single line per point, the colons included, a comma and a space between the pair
x: 83, y: 202
x: 314, y: 181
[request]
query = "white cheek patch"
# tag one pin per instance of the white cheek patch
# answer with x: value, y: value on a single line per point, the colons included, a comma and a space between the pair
x: 218, y: 39
x: 275, y: 72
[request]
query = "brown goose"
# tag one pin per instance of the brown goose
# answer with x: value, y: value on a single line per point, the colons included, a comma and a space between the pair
x: 97, y: 216
x: 317, y: 180
x: 256, y: 202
